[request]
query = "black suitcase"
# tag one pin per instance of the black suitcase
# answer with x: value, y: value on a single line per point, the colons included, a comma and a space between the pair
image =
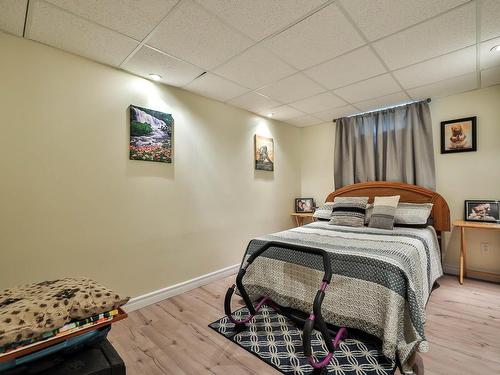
x: 96, y: 359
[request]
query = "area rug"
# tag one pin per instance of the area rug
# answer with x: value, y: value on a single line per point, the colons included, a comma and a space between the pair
x: 276, y: 340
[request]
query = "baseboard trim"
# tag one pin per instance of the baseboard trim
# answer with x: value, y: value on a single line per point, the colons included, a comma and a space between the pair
x: 472, y: 274
x: 173, y: 290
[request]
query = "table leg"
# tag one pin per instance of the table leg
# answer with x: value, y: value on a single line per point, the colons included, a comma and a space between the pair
x: 462, y: 254
x: 465, y: 256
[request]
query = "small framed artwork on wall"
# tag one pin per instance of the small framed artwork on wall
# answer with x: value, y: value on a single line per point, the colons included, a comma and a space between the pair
x: 150, y: 135
x: 482, y: 210
x: 459, y: 135
x: 304, y: 205
x: 264, y: 153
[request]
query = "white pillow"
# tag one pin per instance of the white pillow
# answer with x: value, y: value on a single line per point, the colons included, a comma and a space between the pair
x: 407, y: 213
x: 324, y: 212
x: 412, y: 213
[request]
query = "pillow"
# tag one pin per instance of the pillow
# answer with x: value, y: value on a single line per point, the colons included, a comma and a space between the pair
x: 369, y: 211
x: 384, y: 209
x: 28, y: 311
x: 413, y: 213
x: 349, y: 211
x: 324, y: 212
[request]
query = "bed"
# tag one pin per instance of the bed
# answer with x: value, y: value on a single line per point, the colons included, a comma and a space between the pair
x: 382, y: 279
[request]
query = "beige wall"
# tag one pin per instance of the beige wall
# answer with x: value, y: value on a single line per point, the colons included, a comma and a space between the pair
x: 470, y: 175
x: 459, y: 176
x: 73, y: 204
x: 317, y: 161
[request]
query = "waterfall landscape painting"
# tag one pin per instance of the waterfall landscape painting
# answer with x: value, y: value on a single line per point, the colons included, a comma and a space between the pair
x: 150, y: 135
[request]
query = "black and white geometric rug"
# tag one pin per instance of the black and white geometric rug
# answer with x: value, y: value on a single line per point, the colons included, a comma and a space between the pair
x: 276, y: 340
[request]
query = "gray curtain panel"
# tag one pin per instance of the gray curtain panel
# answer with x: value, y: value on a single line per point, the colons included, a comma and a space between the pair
x: 389, y: 145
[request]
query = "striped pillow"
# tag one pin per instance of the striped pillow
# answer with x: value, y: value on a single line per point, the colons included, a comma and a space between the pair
x: 349, y: 211
x: 324, y: 212
x: 384, y: 210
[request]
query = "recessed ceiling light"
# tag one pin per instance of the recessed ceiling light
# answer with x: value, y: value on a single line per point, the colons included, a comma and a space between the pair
x: 155, y: 77
x: 495, y: 49
x: 270, y: 114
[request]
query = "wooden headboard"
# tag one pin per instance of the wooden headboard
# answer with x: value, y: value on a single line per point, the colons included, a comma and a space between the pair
x: 409, y: 193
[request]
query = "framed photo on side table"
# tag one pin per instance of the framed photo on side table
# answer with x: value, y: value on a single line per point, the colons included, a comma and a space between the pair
x: 482, y: 210
x: 304, y: 205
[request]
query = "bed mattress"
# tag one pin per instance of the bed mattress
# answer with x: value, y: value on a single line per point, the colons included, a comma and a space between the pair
x: 381, y: 282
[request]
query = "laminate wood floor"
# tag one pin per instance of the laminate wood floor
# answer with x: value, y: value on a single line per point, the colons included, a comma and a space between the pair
x: 173, y: 337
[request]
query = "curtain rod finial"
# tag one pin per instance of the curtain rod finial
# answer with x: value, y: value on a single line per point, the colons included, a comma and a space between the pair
x: 428, y: 100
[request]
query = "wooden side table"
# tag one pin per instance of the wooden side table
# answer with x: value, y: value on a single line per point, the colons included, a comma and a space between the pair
x: 301, y: 217
x: 463, y: 251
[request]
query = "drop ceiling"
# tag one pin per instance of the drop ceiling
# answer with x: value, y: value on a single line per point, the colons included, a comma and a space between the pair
x: 305, y: 61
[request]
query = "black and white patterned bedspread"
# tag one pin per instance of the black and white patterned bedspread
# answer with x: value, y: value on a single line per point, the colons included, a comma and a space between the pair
x: 381, y: 282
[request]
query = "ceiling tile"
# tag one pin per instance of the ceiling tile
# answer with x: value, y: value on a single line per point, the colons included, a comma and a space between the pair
x: 447, y: 87
x: 192, y: 34
x: 335, y: 113
x: 134, y: 18
x: 12, y: 13
x: 260, y: 18
x: 383, y: 17
x: 440, y: 68
x: 283, y: 112
x: 255, y: 68
x: 215, y: 87
x: 371, y: 88
x: 318, y: 103
x: 346, y: 69
x: 449, y: 32
x: 291, y: 88
x: 306, y: 120
x: 60, y: 29
x: 488, y: 58
x: 490, y: 16
x: 490, y: 77
x: 174, y: 72
x: 254, y: 102
x: 322, y: 36
x: 383, y: 101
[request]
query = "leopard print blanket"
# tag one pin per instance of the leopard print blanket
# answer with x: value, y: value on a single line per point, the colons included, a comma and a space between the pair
x: 28, y: 311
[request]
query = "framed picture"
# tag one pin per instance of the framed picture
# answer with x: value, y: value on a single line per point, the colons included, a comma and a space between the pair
x: 482, y: 210
x: 150, y: 135
x: 304, y: 205
x: 459, y: 135
x: 264, y: 153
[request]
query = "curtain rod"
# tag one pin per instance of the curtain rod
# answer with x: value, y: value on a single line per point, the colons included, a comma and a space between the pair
x: 428, y: 100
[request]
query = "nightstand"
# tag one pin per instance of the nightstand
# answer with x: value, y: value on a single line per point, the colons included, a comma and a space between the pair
x: 301, y: 217
x: 463, y: 251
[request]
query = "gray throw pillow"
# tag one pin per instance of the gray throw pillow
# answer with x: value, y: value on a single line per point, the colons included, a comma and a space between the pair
x: 349, y: 211
x: 384, y: 210
x: 369, y: 211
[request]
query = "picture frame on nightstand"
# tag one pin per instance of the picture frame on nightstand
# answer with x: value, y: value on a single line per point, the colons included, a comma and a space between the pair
x: 304, y: 205
x: 482, y: 210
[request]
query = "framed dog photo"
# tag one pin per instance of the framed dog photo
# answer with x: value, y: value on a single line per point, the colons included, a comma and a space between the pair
x: 304, y: 205
x: 482, y: 210
x: 459, y: 135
